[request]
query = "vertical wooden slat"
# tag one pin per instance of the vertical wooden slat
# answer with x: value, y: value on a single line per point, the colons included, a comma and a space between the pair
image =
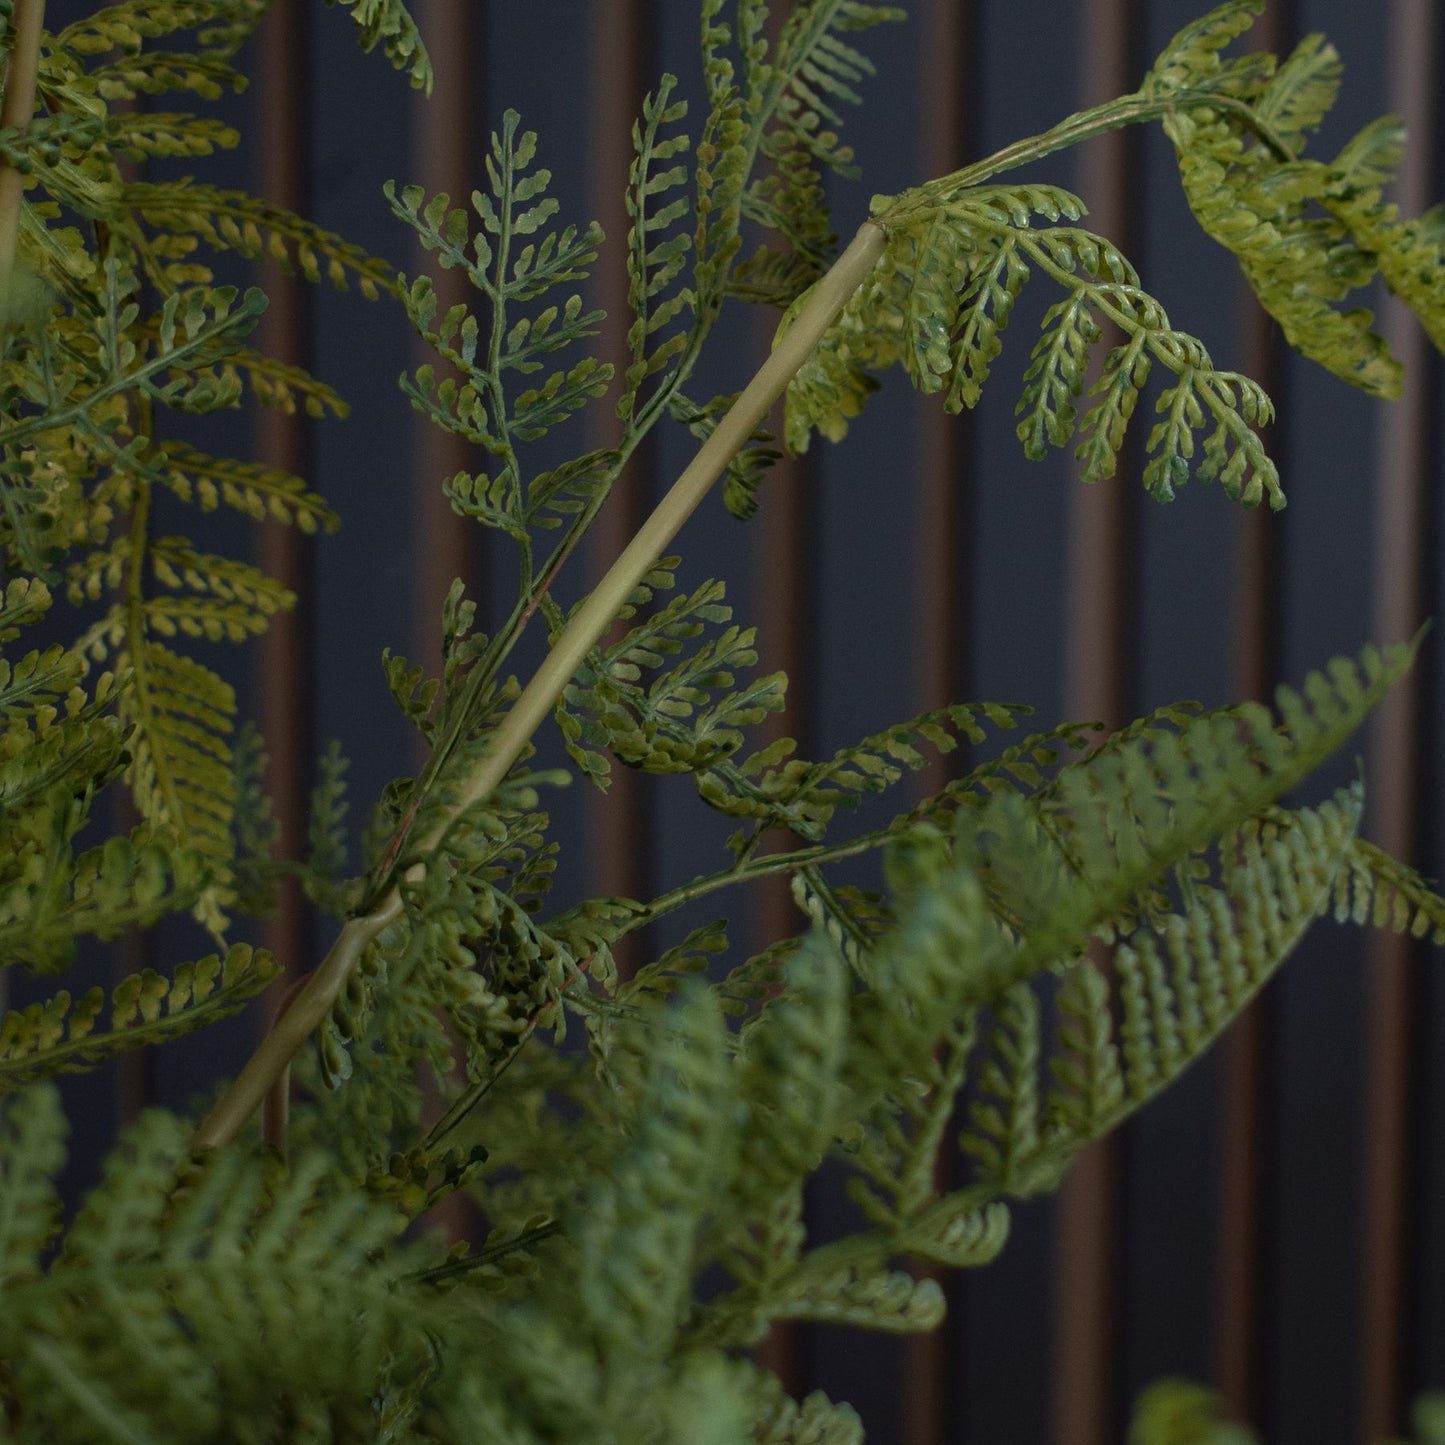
x: 783, y: 597
x: 284, y: 695
x: 616, y: 836
x: 442, y: 148
x: 939, y: 601
x: 1397, y: 604
x: 1096, y: 675
x: 1239, y: 1345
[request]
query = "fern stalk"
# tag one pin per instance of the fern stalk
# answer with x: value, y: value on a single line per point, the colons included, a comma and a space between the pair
x: 1136, y: 108
x: 825, y: 302
x: 15, y: 113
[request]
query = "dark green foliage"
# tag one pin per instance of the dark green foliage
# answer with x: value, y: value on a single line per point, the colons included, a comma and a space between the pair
x: 63, y: 1035
x: 959, y: 253
x: 161, y: 1317
x: 1307, y: 232
x: 133, y: 329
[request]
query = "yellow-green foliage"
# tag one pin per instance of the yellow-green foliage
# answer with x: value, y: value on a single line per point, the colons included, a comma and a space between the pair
x: 1060, y: 931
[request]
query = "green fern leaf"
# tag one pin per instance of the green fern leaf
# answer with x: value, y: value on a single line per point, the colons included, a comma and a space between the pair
x: 327, y: 843
x: 657, y: 246
x: 1377, y: 889
x: 256, y: 827
x: 32, y: 1151
x: 388, y: 23
x: 235, y: 221
x: 61, y: 1036
x: 158, y: 1283
x: 632, y: 1288
x: 104, y: 891
x: 181, y: 776
x: 257, y: 491
x: 1191, y: 58
x: 830, y: 1290
x: 1302, y: 91
x: 804, y: 796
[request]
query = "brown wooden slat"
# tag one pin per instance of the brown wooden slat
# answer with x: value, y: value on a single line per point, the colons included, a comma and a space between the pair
x: 1256, y: 634
x: 783, y: 601
x: 442, y: 147
x: 284, y: 694
x: 1394, y: 773
x: 945, y: 31
x: 615, y: 832
x: 1095, y: 682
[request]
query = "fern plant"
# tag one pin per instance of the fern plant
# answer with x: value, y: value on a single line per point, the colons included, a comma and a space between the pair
x: 1063, y: 929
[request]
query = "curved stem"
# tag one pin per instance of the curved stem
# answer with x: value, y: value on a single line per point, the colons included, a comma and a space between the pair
x: 592, y: 619
x: 1085, y: 125
x: 825, y: 301
x: 294, y: 1027
x: 15, y: 112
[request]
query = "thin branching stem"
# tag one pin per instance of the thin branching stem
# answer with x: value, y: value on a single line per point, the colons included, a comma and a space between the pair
x: 825, y: 302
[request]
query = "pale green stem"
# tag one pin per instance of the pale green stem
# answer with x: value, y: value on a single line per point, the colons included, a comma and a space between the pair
x: 15, y: 112
x: 293, y: 1028
x: 581, y: 635
x: 826, y: 299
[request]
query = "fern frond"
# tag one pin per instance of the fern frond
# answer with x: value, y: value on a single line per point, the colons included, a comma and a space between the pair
x: 670, y: 970
x: 814, y: 1420
x: 65, y: 1036
x: 829, y: 1288
x: 747, y: 467
x: 942, y: 295
x: 1192, y: 58
x: 257, y: 491
x: 389, y: 23
x: 53, y: 900
x: 682, y: 720
x: 553, y: 497
x: 779, y: 101
x: 1306, y: 233
x: 1003, y: 1132
x: 128, y: 76
x: 143, y: 134
x: 657, y: 246
x: 327, y: 844
x: 181, y: 776
x: 791, y: 1063
x: 256, y: 229
x: 1180, y: 980
x: 803, y: 796
x: 282, y: 386
x: 632, y: 1287
x: 850, y: 917
x: 514, y: 259
x: 792, y: 94
x: 224, y: 600
x: 23, y: 600
x: 170, y: 1266
x: 1377, y: 889
x: 126, y: 27
x: 32, y: 1152
x: 1179, y: 1412
x: 255, y: 825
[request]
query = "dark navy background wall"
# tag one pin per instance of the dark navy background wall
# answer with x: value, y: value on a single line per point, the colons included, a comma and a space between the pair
x: 1276, y: 1224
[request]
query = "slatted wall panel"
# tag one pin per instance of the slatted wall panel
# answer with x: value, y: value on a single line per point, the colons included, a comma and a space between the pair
x: 1276, y: 1227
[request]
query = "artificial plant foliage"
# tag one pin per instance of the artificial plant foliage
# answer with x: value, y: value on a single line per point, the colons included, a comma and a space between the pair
x: 1060, y: 930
